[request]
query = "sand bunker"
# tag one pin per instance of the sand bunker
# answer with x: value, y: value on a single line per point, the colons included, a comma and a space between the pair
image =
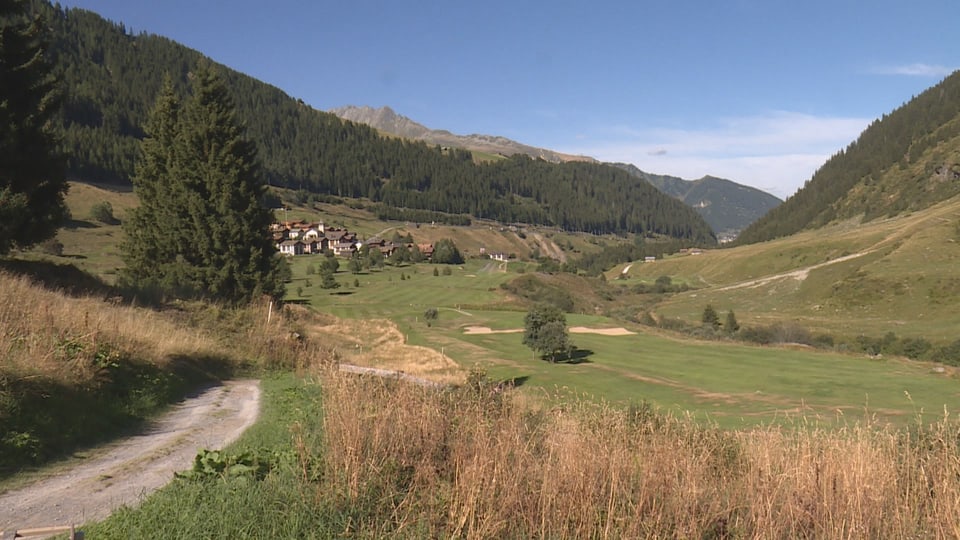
x: 573, y: 330
x: 602, y: 331
x: 488, y: 330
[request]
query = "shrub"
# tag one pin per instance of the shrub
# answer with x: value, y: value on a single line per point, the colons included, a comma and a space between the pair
x: 915, y: 348
x: 949, y: 354
x: 532, y: 288
x: 103, y: 212
x: 52, y: 247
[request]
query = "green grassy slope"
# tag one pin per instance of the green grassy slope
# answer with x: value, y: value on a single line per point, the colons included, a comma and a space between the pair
x: 898, y: 274
x: 731, y: 384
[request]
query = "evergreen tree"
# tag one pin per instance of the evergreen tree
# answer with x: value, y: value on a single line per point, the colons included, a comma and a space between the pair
x: 374, y: 258
x: 202, y: 188
x: 710, y: 317
x: 430, y: 315
x: 327, y: 281
x: 416, y: 256
x: 445, y: 252
x: 153, y: 229
x: 330, y: 262
x: 32, y: 182
x: 731, y: 325
x: 354, y: 265
x: 400, y: 255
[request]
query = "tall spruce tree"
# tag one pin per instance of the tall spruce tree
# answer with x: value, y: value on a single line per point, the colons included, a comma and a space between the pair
x: 201, y: 188
x: 153, y: 228
x: 32, y: 182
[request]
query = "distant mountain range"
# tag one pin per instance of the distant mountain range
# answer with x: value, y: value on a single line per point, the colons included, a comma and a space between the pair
x: 388, y: 121
x: 726, y: 206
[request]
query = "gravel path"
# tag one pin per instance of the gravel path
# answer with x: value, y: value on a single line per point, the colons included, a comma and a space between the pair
x: 124, y: 472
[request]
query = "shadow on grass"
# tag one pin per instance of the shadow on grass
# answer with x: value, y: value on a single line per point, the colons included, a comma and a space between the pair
x: 80, y: 224
x: 342, y: 293
x: 578, y: 356
x: 513, y: 382
x: 58, y: 277
x: 43, y: 419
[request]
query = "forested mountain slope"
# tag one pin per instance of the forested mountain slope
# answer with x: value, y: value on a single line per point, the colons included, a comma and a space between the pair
x: 111, y: 79
x: 906, y: 161
x: 727, y: 206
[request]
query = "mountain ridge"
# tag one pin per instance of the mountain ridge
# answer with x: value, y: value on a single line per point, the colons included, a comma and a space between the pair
x: 112, y: 79
x: 386, y: 119
x: 728, y: 207
x: 905, y: 161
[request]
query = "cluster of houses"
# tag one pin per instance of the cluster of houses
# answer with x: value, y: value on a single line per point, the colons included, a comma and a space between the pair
x: 306, y: 238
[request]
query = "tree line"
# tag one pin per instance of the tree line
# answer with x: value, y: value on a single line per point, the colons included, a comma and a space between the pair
x: 113, y: 77
x: 891, y: 143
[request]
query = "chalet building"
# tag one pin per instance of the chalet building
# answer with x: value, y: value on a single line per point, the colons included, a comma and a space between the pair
x: 304, y: 238
x: 426, y: 250
x: 343, y: 249
x: 291, y: 247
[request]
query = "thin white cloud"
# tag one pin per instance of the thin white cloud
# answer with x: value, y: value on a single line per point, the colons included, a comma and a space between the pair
x: 915, y: 70
x: 777, y: 152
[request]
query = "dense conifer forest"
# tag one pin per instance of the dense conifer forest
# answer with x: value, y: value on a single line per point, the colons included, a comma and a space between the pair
x: 904, y: 161
x: 112, y: 76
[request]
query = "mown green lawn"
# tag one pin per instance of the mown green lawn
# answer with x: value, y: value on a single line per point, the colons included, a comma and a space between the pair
x: 728, y: 383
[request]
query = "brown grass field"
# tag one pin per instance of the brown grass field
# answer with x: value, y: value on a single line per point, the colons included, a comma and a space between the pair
x: 478, y: 463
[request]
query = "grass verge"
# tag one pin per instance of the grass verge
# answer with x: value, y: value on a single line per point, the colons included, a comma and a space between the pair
x: 273, y: 506
x: 476, y: 462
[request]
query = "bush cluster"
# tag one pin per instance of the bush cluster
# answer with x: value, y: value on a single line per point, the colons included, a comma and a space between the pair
x: 915, y: 348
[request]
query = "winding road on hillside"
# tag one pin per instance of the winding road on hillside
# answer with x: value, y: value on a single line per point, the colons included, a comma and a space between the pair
x: 123, y: 472
x: 799, y: 274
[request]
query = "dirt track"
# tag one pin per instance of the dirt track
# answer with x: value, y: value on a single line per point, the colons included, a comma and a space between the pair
x: 123, y: 472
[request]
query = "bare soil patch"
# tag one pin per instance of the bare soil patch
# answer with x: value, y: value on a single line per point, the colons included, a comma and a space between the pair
x: 124, y: 472
x: 379, y: 343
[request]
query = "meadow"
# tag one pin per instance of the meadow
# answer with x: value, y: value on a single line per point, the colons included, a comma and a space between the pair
x: 730, y: 384
x: 379, y: 318
x: 643, y: 435
x: 892, y: 275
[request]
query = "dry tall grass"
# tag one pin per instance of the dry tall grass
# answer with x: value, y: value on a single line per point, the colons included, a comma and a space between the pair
x: 77, y: 371
x: 68, y: 339
x: 473, y: 463
x: 46, y: 333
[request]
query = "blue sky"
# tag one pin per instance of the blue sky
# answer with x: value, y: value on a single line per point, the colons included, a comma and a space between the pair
x: 758, y: 91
